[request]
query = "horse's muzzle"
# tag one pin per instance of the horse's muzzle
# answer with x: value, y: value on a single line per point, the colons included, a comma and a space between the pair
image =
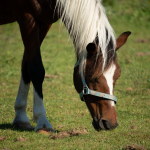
x: 104, y: 124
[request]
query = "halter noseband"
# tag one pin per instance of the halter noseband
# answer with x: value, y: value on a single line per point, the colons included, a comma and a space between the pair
x: 87, y: 91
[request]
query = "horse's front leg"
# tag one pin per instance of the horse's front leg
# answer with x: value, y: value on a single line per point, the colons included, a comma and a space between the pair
x: 38, y: 107
x: 37, y: 73
x: 30, y: 34
x: 21, y: 120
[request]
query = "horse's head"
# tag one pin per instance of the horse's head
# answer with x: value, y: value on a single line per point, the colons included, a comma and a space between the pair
x: 102, y: 109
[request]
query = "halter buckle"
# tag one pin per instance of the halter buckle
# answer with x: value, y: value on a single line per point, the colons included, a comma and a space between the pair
x: 85, y: 90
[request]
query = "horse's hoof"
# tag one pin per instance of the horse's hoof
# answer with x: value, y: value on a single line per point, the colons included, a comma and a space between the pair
x: 43, y: 124
x: 23, y: 125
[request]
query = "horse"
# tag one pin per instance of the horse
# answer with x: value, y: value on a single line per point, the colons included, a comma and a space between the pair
x: 96, y: 70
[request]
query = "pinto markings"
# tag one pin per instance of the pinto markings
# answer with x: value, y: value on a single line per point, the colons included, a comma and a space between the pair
x: 109, y: 74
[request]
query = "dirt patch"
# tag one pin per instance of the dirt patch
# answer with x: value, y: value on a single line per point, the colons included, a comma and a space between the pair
x: 2, y: 138
x: 74, y: 99
x: 21, y: 139
x: 6, y: 148
x: 3, y: 84
x: 60, y: 126
x: 147, y: 121
x: 134, y: 147
x: 133, y: 127
x: 143, y: 54
x: 129, y: 89
x: 148, y: 90
x: 43, y: 132
x: 142, y: 40
x: 65, y: 134
x: 50, y: 76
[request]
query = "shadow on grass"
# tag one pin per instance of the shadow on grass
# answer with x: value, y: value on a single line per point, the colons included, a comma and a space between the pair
x: 11, y: 127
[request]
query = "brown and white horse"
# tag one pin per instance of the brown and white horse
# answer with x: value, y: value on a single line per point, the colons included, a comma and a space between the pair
x: 95, y: 48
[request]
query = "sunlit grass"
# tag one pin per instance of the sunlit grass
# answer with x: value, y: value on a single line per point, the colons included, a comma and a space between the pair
x: 64, y: 109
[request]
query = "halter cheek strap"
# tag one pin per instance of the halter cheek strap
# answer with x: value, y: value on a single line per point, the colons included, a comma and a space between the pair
x: 87, y: 91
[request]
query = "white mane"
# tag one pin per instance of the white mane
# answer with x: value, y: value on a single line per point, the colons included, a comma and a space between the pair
x: 86, y: 19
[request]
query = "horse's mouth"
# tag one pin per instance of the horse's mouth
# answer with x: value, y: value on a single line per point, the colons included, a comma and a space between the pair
x: 103, y: 124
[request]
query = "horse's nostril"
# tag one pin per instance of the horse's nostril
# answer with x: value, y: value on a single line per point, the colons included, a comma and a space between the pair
x: 105, y: 124
x: 101, y: 124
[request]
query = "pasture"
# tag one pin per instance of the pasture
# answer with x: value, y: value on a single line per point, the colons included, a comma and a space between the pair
x: 63, y: 107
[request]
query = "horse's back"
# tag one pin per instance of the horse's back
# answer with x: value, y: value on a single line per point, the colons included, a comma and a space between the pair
x: 6, y: 13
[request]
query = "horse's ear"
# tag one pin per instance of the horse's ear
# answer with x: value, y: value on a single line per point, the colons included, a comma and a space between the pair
x: 121, y: 40
x: 91, y: 48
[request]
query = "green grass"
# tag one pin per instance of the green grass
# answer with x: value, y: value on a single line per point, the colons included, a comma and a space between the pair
x: 132, y: 90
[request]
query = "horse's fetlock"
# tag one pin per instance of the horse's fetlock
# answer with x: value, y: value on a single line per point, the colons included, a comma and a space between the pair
x: 20, y: 105
x: 38, y: 116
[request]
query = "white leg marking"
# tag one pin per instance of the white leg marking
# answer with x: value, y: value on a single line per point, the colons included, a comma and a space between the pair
x: 39, y: 113
x: 109, y: 74
x: 21, y: 103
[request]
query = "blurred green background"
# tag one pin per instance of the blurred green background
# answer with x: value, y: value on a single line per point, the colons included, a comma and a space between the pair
x: 133, y: 11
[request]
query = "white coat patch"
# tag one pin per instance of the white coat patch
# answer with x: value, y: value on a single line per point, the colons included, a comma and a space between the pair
x: 21, y: 102
x: 39, y: 113
x: 109, y: 74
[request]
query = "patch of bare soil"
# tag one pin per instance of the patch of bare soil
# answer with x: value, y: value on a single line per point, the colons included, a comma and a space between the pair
x: 21, y: 139
x: 133, y: 127
x: 44, y: 132
x: 134, y: 147
x: 142, y: 40
x: 3, y: 84
x: 143, y: 54
x: 148, y: 90
x: 50, y: 76
x: 6, y: 148
x: 74, y: 99
x: 60, y: 126
x: 129, y: 89
x: 2, y: 138
x: 65, y: 134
